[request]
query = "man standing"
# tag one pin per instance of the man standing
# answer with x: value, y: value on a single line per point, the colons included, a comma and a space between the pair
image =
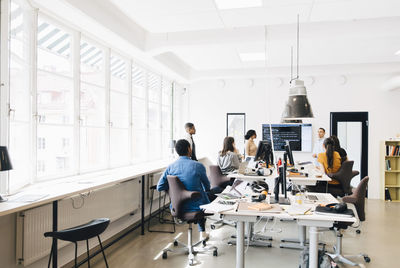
x: 318, y: 145
x: 190, y: 131
x: 194, y: 178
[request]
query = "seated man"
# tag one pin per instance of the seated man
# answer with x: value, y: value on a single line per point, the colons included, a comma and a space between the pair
x: 194, y: 178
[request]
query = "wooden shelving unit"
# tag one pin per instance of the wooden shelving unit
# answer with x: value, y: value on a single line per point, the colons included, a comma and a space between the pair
x: 391, y: 178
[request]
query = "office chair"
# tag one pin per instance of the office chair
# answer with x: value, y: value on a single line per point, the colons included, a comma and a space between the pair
x: 358, y: 199
x: 217, y: 179
x: 81, y: 233
x: 179, y: 195
x: 218, y: 183
x: 344, y: 176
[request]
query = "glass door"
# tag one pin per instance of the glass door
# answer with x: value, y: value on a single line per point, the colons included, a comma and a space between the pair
x: 352, y: 130
x: 236, y: 127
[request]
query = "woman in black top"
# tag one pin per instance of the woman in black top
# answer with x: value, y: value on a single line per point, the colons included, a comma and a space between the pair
x: 337, y: 148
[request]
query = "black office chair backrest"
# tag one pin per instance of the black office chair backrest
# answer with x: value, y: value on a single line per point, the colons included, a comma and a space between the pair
x: 179, y: 195
x: 216, y: 177
x: 358, y: 198
x: 344, y: 176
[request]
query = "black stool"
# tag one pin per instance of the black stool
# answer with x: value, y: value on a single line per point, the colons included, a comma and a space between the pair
x: 162, y: 209
x: 80, y: 233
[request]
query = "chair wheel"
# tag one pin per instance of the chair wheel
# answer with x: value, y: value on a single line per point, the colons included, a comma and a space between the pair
x: 204, y: 242
x: 367, y: 259
x: 212, y: 227
x: 215, y: 253
x: 358, y: 231
x: 191, y: 262
x: 175, y: 243
x: 270, y: 246
x: 164, y: 255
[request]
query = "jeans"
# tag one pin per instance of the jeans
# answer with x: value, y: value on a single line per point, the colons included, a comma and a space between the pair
x: 201, y: 224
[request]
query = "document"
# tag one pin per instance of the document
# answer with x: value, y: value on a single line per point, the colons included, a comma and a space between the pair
x: 216, y: 207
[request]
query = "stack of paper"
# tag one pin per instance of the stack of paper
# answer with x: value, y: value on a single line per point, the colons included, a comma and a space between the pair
x: 297, y: 210
x: 216, y: 207
x: 260, y: 206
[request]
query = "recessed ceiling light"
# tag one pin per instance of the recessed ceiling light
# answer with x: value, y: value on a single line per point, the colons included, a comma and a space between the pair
x: 256, y: 56
x: 397, y: 53
x: 231, y: 4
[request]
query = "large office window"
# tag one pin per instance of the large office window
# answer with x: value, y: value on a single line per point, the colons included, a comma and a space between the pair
x: 166, y: 117
x: 55, y: 96
x: 119, y: 112
x: 76, y: 105
x: 92, y: 107
x: 20, y: 44
x: 139, y: 114
x: 154, y: 114
x: 178, y: 128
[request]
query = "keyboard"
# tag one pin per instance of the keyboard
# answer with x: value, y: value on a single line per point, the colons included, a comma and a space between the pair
x: 226, y: 202
x: 312, y: 197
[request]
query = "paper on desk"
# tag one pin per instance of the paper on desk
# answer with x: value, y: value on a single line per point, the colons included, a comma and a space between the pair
x: 244, y: 207
x: 297, y: 210
x: 216, y: 207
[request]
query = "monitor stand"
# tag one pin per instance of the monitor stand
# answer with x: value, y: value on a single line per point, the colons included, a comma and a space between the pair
x: 281, y: 201
x: 281, y: 180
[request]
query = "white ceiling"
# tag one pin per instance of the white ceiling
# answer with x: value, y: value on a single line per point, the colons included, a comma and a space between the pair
x: 161, y: 16
x: 193, y: 37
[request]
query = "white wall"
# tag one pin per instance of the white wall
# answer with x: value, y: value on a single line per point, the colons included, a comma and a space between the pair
x: 210, y: 100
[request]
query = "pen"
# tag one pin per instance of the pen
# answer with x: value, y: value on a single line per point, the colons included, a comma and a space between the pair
x: 237, y: 206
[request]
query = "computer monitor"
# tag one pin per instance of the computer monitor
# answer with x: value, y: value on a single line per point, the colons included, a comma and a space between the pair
x: 264, y: 152
x: 289, y: 153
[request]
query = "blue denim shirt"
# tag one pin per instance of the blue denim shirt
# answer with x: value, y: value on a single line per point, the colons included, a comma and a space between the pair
x: 193, y: 176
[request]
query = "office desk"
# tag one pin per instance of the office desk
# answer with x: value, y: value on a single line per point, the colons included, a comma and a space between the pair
x: 311, y: 180
x: 312, y: 221
x: 64, y: 188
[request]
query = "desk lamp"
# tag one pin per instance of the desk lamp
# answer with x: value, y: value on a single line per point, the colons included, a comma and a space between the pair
x: 5, y: 164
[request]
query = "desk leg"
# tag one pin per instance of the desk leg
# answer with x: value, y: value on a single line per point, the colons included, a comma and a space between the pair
x: 55, y: 228
x: 142, y: 225
x: 313, y: 247
x: 302, y: 235
x: 240, y: 244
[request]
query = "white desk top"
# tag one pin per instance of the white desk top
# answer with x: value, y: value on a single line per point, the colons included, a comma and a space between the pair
x: 328, y: 198
x: 62, y: 188
x: 294, y: 179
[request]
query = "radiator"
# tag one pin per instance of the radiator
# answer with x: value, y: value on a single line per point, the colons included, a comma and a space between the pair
x: 112, y: 202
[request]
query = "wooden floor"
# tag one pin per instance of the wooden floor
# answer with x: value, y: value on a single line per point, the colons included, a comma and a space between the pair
x: 380, y: 239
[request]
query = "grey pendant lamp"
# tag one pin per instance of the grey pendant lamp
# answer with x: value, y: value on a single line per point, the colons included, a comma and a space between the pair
x: 298, y: 106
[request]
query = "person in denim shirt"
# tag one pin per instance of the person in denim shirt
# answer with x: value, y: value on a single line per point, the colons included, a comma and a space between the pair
x: 194, y: 178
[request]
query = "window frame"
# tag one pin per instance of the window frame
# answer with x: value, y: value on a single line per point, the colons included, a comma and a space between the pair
x: 76, y: 36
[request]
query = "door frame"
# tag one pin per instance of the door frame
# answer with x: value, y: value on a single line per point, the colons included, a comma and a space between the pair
x: 362, y: 117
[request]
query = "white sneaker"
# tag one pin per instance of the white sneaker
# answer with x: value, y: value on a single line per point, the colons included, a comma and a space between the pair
x: 204, y: 236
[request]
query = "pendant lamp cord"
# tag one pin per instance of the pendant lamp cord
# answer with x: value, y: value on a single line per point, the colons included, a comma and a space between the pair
x: 270, y: 125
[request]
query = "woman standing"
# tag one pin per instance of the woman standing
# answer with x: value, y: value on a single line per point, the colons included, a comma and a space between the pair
x: 251, y: 147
